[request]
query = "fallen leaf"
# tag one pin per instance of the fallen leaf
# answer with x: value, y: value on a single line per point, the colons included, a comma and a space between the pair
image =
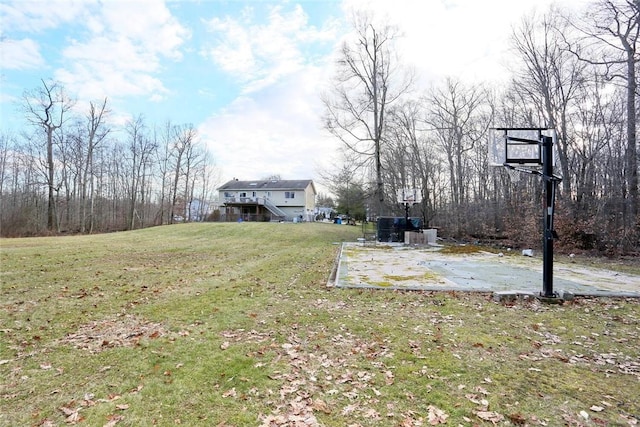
x: 113, y: 420
x: 224, y: 345
x: 492, y: 416
x: 596, y: 408
x: 74, y: 418
x: 436, y: 416
x: 67, y: 411
x: 388, y: 377
x: 371, y: 413
x: 348, y: 409
x: 122, y: 406
x: 517, y: 419
x: 321, y: 405
x: 482, y: 390
x: 230, y: 393
x: 72, y: 415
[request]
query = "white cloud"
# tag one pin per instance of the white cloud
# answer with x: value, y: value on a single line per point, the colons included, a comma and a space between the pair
x: 124, y: 50
x: 276, y: 130
x: 260, y: 54
x: 464, y: 38
x: 111, y: 82
x: 20, y: 54
x: 37, y: 15
x: 274, y: 127
x: 148, y: 24
x: 233, y: 53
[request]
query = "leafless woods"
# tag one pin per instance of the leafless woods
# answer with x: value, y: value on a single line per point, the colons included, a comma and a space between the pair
x: 576, y: 74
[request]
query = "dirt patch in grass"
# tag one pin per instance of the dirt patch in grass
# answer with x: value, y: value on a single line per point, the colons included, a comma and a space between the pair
x: 123, y: 331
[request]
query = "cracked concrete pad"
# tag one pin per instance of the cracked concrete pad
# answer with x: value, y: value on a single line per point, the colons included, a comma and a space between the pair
x: 396, y: 266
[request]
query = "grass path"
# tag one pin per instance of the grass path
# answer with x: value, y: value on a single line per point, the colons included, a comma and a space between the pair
x: 232, y: 325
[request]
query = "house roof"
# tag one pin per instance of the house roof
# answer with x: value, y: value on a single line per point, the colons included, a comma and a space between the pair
x: 281, y: 184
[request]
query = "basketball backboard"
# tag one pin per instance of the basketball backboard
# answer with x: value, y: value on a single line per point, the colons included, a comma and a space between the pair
x: 517, y: 146
x: 408, y: 196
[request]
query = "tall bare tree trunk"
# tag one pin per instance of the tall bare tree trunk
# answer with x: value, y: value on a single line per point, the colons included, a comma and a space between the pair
x: 364, y: 89
x: 46, y: 108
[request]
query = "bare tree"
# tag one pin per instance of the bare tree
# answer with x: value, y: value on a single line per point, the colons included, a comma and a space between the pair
x: 96, y: 134
x: 194, y: 163
x: 367, y: 83
x: 550, y: 78
x: 163, y: 164
x: 6, y: 143
x: 183, y: 139
x: 140, y: 150
x: 46, y: 108
x: 207, y: 177
x: 412, y: 161
x: 460, y: 117
x: 611, y: 29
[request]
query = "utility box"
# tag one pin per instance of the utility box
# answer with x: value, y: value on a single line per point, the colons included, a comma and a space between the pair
x: 422, y: 237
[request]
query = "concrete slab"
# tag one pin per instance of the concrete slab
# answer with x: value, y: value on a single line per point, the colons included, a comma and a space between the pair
x: 398, y: 266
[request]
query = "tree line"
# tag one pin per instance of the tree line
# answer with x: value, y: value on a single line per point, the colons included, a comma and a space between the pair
x: 72, y: 172
x: 575, y: 74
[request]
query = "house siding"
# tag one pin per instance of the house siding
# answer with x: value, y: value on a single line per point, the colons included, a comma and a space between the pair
x: 238, y: 194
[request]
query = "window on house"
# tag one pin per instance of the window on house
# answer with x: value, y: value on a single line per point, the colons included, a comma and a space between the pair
x: 289, y: 195
x: 253, y: 194
x: 228, y: 194
x: 242, y: 195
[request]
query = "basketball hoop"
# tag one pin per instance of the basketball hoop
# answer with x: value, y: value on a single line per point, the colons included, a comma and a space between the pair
x: 530, y: 151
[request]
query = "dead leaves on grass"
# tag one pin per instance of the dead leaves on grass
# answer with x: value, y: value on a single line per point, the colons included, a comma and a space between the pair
x: 327, y: 382
x: 72, y: 410
x: 122, y: 331
x: 343, y: 375
x: 583, y: 350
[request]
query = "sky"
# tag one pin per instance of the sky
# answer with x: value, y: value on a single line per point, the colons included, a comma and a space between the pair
x: 248, y: 75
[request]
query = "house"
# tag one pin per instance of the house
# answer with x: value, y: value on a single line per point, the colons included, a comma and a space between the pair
x: 268, y: 200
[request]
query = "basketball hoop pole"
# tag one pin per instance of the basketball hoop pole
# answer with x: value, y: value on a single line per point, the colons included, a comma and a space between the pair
x: 550, y: 183
x: 406, y: 217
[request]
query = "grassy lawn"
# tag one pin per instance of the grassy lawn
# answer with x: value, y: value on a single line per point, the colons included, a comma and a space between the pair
x: 233, y: 325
